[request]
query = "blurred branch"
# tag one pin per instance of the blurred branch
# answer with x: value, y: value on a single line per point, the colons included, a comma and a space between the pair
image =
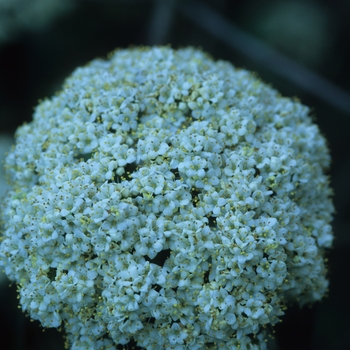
x: 161, y: 21
x: 123, y: 2
x: 257, y: 51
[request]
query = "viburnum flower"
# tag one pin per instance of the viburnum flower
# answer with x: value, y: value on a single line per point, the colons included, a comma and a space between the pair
x: 168, y: 201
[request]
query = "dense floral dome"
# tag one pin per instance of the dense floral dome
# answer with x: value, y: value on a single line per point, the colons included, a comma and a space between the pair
x: 166, y: 200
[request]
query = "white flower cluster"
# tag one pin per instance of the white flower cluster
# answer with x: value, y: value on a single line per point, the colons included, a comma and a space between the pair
x: 18, y: 15
x: 168, y: 200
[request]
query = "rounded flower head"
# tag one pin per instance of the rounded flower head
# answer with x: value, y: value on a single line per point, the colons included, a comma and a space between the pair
x: 169, y: 200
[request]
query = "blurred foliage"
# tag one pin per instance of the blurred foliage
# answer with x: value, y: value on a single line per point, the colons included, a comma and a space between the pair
x: 315, y: 33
